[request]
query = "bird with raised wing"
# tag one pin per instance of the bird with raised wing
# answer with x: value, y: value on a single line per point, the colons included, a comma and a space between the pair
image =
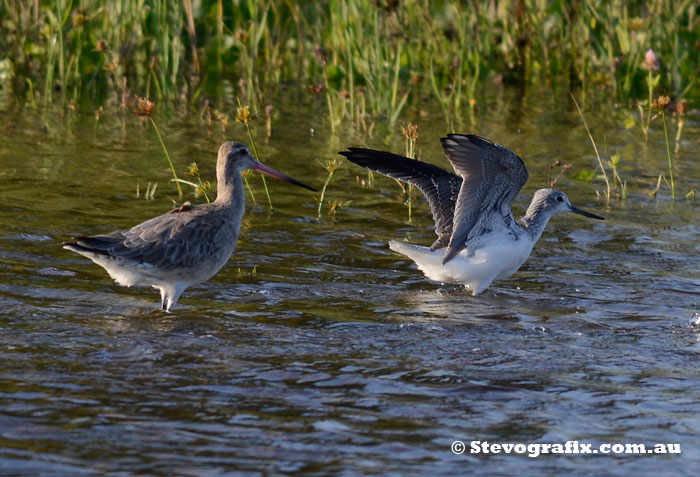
x: 185, y: 246
x: 479, y: 240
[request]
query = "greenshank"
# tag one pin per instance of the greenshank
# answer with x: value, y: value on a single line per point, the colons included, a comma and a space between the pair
x: 479, y: 240
x: 186, y: 246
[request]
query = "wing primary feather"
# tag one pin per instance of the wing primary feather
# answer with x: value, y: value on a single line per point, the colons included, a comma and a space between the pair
x: 464, y: 206
x: 493, y: 176
x: 439, y: 186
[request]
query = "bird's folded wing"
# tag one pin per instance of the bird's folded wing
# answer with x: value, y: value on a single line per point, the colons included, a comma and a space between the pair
x: 168, y: 242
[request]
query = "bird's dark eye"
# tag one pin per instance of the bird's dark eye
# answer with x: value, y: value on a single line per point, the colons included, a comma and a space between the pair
x: 560, y: 198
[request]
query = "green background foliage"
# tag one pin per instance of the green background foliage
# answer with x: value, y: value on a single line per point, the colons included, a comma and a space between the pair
x: 372, y: 55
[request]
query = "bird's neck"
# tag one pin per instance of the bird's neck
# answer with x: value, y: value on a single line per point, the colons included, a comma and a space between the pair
x: 230, y: 191
x: 535, y: 220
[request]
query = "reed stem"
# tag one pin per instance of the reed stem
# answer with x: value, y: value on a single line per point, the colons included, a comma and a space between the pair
x: 167, y: 155
x: 595, y: 148
x: 670, y: 158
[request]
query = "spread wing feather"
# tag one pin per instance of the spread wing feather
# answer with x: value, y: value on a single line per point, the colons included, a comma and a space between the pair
x: 492, y: 177
x: 439, y: 186
x: 464, y: 206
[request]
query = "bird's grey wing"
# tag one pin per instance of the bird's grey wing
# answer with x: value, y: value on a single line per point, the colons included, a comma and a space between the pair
x: 174, y: 241
x: 168, y: 242
x: 439, y: 186
x: 492, y: 177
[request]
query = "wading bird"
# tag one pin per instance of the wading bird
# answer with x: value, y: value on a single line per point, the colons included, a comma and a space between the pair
x: 186, y: 246
x: 479, y: 240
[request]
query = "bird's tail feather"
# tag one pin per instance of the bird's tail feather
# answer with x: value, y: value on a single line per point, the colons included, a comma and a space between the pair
x: 96, y: 245
x: 421, y: 255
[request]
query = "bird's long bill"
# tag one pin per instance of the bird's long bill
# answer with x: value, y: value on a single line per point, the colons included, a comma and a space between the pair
x: 578, y: 211
x: 259, y: 166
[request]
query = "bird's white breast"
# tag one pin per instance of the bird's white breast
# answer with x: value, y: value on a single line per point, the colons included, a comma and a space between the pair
x: 500, y: 258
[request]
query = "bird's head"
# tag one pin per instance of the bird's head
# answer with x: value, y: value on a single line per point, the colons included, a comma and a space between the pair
x: 552, y: 202
x: 235, y: 157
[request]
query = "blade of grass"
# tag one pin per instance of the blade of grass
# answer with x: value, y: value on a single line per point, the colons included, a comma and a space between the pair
x: 595, y: 148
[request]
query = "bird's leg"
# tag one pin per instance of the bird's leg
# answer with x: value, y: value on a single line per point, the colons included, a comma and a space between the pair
x: 163, y: 299
x: 170, y: 296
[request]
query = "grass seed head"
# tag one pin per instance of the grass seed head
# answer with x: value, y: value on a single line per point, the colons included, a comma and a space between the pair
x: 140, y: 106
x: 635, y: 24
x: 316, y: 88
x: 410, y: 131
x: 243, y: 114
x: 661, y: 102
x: 241, y: 35
x: 331, y: 165
x: 682, y: 107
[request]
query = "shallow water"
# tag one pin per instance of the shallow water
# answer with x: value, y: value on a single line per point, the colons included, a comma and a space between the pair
x: 317, y: 349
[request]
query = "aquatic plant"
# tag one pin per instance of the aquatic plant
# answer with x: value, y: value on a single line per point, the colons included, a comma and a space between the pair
x: 268, y: 119
x: 614, y: 161
x: 334, y: 206
x: 410, y: 132
x: 680, y: 110
x: 660, y: 104
x: 563, y: 168
x: 244, y: 175
x: 595, y: 148
x: 150, y: 190
x: 651, y: 65
x: 376, y: 56
x: 200, y: 187
x: 320, y: 54
x: 653, y: 192
x: 331, y: 166
x: 243, y: 116
x: 144, y: 108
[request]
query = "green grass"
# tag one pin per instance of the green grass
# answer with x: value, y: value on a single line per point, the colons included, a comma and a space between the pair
x: 378, y: 55
x: 668, y: 155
